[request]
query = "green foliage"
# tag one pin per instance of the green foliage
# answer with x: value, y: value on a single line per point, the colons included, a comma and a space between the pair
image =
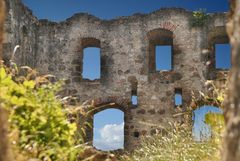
x: 39, y: 128
x: 200, y: 18
x: 217, y: 124
x: 178, y: 145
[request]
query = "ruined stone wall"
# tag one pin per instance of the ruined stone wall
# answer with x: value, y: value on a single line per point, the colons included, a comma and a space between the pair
x: 20, y: 29
x: 126, y: 60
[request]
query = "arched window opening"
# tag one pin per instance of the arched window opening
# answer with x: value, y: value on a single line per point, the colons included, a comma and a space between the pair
x: 91, y: 58
x: 108, y: 130
x: 223, y: 56
x: 201, y: 130
x: 91, y: 63
x: 160, y: 50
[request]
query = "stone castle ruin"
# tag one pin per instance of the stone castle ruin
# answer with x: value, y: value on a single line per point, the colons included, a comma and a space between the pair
x: 128, y: 60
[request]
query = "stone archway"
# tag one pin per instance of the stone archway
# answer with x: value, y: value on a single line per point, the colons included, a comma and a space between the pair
x: 101, y: 104
x: 108, y: 130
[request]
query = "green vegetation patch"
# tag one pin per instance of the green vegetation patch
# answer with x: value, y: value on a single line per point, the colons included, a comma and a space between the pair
x: 200, y: 18
x: 38, y: 123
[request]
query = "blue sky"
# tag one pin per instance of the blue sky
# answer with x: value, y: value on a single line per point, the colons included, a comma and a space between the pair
x: 108, y: 129
x: 58, y: 10
x: 163, y: 57
x: 91, y: 63
x: 223, y: 60
x: 108, y: 124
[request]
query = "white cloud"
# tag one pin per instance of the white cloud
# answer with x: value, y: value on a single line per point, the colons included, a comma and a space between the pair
x: 111, y: 137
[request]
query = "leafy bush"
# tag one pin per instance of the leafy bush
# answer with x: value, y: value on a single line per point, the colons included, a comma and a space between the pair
x: 39, y: 128
x: 217, y: 124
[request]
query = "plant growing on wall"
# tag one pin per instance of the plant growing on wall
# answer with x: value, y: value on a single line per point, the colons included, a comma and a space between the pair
x: 200, y: 18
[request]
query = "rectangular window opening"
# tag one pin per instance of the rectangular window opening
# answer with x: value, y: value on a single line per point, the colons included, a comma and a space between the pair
x: 178, y: 97
x: 163, y: 57
x: 91, y: 63
x: 223, y: 56
x: 134, y: 98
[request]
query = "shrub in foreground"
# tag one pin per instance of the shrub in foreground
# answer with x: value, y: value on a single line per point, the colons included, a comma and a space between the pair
x: 38, y: 124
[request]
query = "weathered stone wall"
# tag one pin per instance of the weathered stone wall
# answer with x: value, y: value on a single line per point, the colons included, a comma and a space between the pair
x: 2, y: 15
x: 126, y: 59
x: 20, y: 29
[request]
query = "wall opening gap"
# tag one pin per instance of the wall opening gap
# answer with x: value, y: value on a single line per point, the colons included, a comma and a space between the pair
x: 134, y: 98
x: 91, y: 63
x: 108, y: 130
x: 136, y: 134
x: 163, y: 57
x: 201, y: 130
x: 223, y: 56
x: 178, y: 97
